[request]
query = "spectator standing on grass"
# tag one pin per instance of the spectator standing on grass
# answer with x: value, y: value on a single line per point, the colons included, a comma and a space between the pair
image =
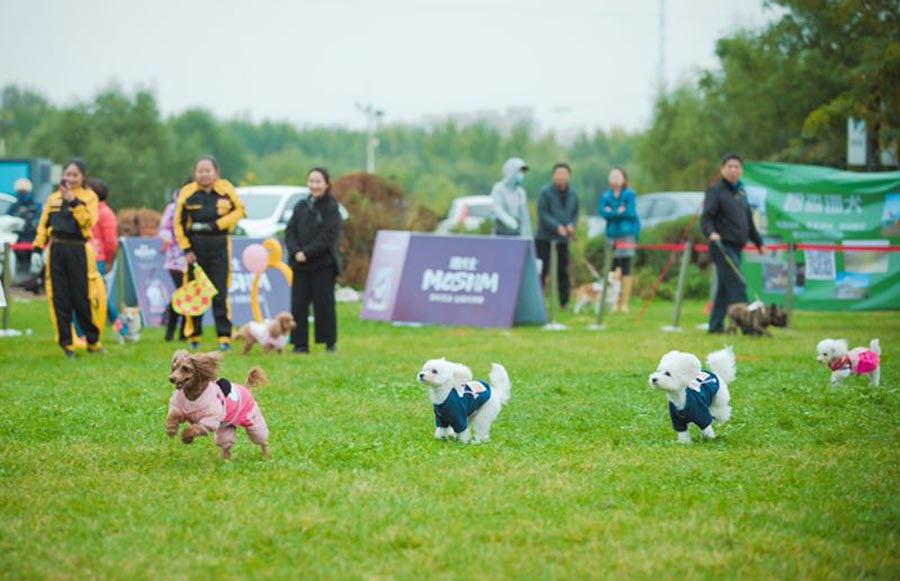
x: 106, y: 246
x: 510, y: 202
x: 618, y: 207
x: 312, y: 236
x: 206, y: 212
x: 66, y: 226
x: 728, y: 224
x: 557, y: 211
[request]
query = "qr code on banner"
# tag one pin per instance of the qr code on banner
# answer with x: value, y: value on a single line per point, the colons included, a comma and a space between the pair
x: 820, y: 265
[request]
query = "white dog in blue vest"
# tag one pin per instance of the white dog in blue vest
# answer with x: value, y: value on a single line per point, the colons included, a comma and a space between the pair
x: 696, y: 396
x: 459, y: 400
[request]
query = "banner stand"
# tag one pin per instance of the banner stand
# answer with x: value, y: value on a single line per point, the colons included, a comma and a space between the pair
x: 604, y: 280
x: 679, y: 291
x: 554, y: 290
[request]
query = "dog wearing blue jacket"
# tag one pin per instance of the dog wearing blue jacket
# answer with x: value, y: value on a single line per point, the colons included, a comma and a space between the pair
x: 460, y: 401
x: 696, y: 396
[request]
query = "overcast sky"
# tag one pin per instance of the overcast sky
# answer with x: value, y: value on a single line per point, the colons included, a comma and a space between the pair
x: 585, y: 63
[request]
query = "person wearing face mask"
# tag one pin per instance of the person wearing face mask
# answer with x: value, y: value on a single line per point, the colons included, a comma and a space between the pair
x: 73, y: 282
x: 510, y: 202
x: 728, y: 223
x: 207, y: 210
x: 619, y: 208
x: 29, y: 210
x: 312, y: 236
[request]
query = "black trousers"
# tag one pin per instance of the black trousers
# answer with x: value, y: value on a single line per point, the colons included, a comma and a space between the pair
x: 562, y: 267
x: 214, y: 257
x: 731, y: 289
x: 316, y: 287
x: 69, y: 288
x: 173, y: 318
x: 623, y: 262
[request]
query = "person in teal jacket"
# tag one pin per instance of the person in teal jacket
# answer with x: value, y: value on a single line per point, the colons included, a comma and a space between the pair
x: 619, y: 208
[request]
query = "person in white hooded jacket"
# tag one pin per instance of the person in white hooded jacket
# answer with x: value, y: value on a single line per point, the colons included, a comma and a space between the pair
x: 510, y: 201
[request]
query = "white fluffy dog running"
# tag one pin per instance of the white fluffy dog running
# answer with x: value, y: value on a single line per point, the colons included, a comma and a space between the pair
x: 458, y: 400
x: 696, y: 396
x: 844, y: 362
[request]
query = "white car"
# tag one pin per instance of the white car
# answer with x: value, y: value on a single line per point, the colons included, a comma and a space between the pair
x: 270, y: 207
x: 466, y: 213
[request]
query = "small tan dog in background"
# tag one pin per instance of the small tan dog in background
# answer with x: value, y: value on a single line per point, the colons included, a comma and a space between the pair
x: 212, y: 404
x: 590, y: 293
x: 270, y: 334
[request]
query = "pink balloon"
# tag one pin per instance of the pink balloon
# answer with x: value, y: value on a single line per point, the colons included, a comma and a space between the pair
x: 256, y: 258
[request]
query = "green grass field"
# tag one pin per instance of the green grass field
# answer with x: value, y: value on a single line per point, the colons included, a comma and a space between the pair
x: 583, y: 478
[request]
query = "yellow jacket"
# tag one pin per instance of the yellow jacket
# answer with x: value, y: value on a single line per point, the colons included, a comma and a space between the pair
x: 224, y: 208
x: 85, y: 214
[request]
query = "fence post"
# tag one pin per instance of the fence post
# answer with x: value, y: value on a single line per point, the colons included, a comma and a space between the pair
x: 604, y: 279
x: 7, y: 277
x: 679, y: 290
x: 792, y: 279
x: 554, y: 290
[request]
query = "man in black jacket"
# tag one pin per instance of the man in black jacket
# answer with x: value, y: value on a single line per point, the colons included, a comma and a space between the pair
x: 728, y: 224
x: 557, y: 210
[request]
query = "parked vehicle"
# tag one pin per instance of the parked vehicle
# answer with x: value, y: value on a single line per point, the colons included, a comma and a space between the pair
x: 270, y: 207
x: 654, y: 209
x: 467, y: 213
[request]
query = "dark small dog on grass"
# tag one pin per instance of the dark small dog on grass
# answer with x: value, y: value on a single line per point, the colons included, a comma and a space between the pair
x: 755, y: 318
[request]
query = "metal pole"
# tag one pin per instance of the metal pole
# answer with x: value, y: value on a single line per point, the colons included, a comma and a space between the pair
x: 679, y: 291
x: 6, y: 278
x: 604, y: 279
x: 554, y: 290
x: 791, y: 276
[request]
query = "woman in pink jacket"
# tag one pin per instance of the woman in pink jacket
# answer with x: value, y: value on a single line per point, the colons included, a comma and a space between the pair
x: 106, y: 246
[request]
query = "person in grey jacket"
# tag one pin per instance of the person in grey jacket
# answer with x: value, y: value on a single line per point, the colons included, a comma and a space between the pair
x: 728, y: 223
x: 557, y: 210
x: 510, y: 202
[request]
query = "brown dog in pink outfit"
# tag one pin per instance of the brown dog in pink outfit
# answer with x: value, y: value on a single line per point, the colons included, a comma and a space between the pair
x: 210, y: 403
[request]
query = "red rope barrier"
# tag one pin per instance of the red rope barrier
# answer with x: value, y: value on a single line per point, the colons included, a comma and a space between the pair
x: 770, y: 247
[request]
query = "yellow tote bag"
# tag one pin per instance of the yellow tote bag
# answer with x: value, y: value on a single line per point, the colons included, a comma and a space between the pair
x: 194, y: 297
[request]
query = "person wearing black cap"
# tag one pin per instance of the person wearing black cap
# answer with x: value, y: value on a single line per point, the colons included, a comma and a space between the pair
x: 728, y: 223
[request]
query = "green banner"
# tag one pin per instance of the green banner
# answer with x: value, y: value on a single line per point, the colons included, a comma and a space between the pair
x: 802, y: 204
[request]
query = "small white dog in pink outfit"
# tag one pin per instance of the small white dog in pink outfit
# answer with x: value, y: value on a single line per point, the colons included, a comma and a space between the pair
x: 211, y: 404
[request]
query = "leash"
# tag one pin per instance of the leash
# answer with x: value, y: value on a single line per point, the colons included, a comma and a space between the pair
x: 737, y: 271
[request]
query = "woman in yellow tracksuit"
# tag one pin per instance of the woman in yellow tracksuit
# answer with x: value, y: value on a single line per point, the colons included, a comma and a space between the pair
x: 73, y: 282
x: 206, y: 212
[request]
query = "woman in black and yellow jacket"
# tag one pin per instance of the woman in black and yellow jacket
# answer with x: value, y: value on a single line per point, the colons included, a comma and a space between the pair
x: 73, y: 282
x: 206, y: 212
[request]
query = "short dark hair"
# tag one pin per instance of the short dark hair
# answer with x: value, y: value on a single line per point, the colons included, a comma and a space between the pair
x: 729, y: 156
x: 80, y: 164
x: 208, y: 158
x: 99, y: 187
x: 562, y: 164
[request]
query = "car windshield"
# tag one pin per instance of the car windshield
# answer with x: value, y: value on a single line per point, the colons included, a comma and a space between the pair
x: 261, y: 206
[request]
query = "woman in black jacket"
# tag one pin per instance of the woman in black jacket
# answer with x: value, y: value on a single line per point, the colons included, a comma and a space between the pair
x: 312, y: 237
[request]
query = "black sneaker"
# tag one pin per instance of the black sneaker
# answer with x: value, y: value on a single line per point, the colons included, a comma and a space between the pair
x: 69, y: 353
x: 300, y: 350
x: 331, y: 348
x: 195, y: 345
x: 223, y: 347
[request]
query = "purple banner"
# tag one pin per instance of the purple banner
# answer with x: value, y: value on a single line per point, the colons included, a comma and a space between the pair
x: 452, y: 280
x: 148, y: 284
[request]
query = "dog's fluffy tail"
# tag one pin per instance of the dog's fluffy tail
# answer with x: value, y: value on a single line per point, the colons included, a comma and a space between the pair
x: 500, y: 382
x: 256, y: 378
x: 722, y: 363
x: 875, y: 346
